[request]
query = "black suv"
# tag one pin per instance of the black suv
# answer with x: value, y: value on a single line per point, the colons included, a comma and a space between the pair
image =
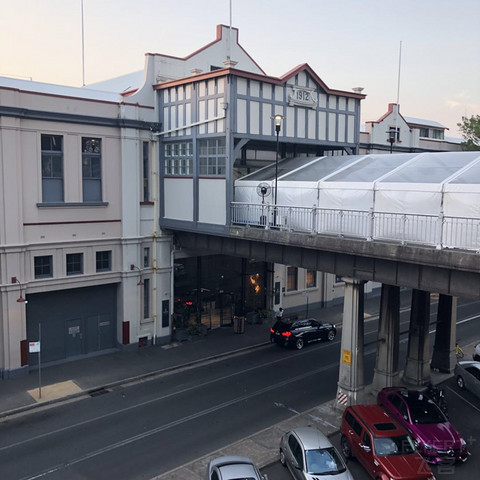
x: 300, y: 332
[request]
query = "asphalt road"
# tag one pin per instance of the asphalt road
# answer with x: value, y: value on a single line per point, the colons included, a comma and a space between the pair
x: 139, y: 431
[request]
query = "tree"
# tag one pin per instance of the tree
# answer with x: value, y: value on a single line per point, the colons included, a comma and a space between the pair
x: 470, y: 128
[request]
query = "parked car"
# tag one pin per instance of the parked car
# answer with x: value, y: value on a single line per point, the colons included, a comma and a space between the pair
x: 300, y: 332
x: 308, y: 455
x: 381, y: 445
x: 467, y: 374
x: 434, y: 436
x: 233, y: 468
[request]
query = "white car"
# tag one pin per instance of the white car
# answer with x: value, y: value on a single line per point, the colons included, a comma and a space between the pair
x: 467, y: 374
x: 309, y: 455
x: 233, y: 468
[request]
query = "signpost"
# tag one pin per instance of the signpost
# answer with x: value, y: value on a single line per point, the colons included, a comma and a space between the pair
x: 34, y: 347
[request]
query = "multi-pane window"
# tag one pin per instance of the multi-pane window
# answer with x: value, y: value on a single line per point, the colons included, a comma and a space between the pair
x: 92, y: 169
x: 146, y: 298
x: 311, y: 279
x: 52, y: 168
x: 292, y: 279
x: 179, y: 158
x: 212, y: 156
x: 424, y: 132
x: 43, y: 266
x: 146, y: 172
x: 104, y: 261
x: 74, y: 263
x: 146, y: 257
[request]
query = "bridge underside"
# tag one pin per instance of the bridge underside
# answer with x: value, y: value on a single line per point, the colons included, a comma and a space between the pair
x: 394, y: 266
x: 447, y: 272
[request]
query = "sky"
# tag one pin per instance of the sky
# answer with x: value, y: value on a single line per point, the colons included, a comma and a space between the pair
x: 431, y: 46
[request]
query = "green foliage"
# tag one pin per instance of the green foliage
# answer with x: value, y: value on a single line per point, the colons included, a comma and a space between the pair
x: 470, y: 128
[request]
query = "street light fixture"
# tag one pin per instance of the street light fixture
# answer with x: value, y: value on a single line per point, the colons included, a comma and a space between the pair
x: 21, y: 298
x: 392, y: 137
x: 277, y: 119
x: 134, y: 267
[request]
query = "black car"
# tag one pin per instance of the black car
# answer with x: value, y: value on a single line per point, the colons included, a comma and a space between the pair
x: 298, y: 333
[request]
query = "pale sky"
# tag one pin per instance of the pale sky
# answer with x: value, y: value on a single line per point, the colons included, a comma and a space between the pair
x: 348, y: 43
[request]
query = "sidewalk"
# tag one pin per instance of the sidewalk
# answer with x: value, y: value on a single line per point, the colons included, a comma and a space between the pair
x: 85, y: 376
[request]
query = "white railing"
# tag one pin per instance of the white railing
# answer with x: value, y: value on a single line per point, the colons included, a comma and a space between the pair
x: 435, y: 230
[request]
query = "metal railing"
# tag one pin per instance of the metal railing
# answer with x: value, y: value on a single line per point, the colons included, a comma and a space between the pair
x: 433, y: 230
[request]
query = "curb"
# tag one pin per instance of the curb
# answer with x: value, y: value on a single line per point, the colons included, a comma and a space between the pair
x: 126, y: 381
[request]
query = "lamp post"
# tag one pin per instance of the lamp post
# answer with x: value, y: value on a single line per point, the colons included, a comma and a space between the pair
x: 392, y: 135
x: 278, y: 125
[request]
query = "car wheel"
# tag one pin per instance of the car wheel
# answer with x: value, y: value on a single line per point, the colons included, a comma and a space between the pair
x: 299, y: 344
x: 461, y: 382
x: 282, y: 458
x: 331, y: 335
x: 346, y: 450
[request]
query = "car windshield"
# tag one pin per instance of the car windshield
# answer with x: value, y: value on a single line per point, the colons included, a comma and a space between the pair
x: 426, y: 412
x: 401, y: 445
x: 324, y: 461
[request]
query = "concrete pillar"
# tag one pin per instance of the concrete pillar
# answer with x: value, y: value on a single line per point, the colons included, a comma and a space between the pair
x: 444, y: 358
x: 386, y: 366
x: 351, y: 376
x: 417, y: 371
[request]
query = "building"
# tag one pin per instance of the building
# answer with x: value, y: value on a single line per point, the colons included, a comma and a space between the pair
x: 95, y: 183
x: 396, y: 133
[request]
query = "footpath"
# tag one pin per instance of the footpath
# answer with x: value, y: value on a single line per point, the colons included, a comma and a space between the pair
x: 87, y: 376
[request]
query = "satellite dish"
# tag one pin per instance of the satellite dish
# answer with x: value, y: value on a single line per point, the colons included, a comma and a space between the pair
x: 263, y: 190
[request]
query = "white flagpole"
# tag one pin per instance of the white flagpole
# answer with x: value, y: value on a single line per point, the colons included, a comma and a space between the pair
x: 398, y: 92
x: 83, y: 51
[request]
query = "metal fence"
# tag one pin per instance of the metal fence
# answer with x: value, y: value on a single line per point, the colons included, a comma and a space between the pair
x: 434, y: 230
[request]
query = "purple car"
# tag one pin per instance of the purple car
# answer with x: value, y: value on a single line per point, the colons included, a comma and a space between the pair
x: 436, y: 439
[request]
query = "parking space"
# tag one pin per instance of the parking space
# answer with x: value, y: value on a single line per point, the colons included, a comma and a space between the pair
x: 464, y: 414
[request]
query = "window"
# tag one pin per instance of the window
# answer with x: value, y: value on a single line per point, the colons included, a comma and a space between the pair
x: 146, y: 298
x: 438, y: 134
x: 104, y: 261
x: 52, y: 168
x: 146, y: 172
x: 424, y: 132
x: 311, y: 279
x: 74, y: 263
x: 179, y: 158
x: 92, y: 169
x: 212, y: 156
x: 43, y: 266
x: 146, y: 257
x: 292, y: 278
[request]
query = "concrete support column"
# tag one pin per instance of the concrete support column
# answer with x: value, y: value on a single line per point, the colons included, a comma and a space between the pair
x: 444, y: 358
x: 351, y: 377
x: 386, y: 366
x: 417, y: 371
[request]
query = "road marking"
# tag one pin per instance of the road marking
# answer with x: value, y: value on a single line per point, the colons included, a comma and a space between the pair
x: 464, y: 399
x: 175, y: 423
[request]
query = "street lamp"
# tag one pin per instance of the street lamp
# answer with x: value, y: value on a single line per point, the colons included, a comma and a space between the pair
x: 21, y: 298
x: 392, y: 136
x: 277, y: 119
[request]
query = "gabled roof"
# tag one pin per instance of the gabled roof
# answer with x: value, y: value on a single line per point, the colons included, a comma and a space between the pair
x: 262, y: 78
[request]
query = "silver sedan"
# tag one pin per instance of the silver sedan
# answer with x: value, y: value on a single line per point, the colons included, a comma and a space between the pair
x: 308, y: 455
x: 467, y: 374
x: 233, y: 468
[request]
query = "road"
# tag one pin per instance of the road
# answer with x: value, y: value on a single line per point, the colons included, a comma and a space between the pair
x: 141, y: 430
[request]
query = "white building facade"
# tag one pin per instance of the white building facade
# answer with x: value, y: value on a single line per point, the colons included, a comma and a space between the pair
x: 93, y: 184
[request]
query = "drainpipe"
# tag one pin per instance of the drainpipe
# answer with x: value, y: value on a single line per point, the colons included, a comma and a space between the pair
x: 155, y: 194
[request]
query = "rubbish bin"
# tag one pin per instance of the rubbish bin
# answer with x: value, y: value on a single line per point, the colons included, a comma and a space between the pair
x: 238, y: 324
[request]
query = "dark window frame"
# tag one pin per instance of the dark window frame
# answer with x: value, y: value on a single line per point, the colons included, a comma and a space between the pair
x: 53, y: 188
x: 103, y: 261
x: 43, y: 266
x: 74, y: 264
x: 92, y: 169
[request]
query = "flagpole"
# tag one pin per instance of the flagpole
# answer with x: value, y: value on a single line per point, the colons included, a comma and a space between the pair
x: 83, y: 51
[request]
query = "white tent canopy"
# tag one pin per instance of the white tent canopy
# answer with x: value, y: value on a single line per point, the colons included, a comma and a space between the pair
x: 415, y: 183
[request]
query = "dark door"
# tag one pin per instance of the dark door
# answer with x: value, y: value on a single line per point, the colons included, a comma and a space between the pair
x: 74, y: 337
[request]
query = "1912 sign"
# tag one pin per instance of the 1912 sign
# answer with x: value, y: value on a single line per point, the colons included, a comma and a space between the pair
x: 305, y: 97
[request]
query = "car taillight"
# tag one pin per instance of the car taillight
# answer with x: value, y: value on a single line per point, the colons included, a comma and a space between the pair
x: 286, y: 334
x: 272, y: 330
